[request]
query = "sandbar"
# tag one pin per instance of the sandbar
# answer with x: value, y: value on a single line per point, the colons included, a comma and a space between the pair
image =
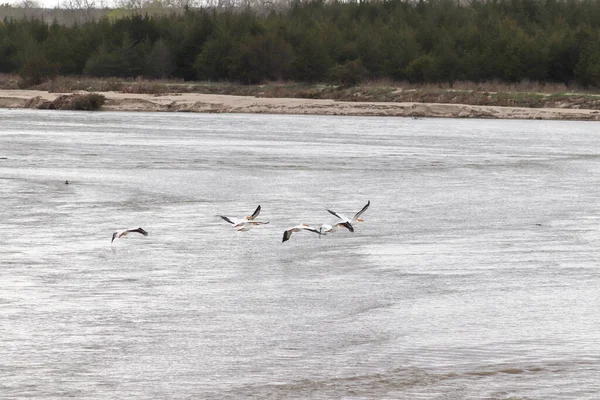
x: 213, y: 103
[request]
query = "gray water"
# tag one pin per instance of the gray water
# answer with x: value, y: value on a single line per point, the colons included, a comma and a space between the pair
x: 474, y: 275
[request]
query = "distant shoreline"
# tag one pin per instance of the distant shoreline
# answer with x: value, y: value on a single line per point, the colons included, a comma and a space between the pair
x: 216, y: 103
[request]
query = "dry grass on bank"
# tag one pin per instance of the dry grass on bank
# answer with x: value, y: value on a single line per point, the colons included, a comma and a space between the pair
x: 523, y: 94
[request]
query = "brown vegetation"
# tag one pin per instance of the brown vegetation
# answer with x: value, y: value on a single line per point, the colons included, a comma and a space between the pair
x: 78, y: 102
x: 525, y: 94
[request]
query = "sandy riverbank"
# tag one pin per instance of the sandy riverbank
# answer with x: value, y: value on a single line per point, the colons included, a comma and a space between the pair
x: 210, y: 103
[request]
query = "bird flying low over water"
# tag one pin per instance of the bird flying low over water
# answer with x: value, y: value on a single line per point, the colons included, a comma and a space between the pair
x: 327, y: 228
x: 246, y: 223
x: 302, y: 227
x: 345, y: 220
x: 242, y: 224
x: 120, y: 234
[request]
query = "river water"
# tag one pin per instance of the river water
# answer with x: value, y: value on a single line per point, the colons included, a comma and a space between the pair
x: 474, y: 276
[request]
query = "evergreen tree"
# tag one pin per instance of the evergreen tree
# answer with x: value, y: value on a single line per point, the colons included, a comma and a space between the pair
x: 318, y: 40
x: 159, y: 61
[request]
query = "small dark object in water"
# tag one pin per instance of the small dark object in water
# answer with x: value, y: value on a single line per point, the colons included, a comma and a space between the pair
x: 66, y: 182
x: 3, y: 158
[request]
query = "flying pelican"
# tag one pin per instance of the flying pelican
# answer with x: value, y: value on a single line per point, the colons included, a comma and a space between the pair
x: 235, y: 221
x: 242, y: 225
x: 288, y: 233
x: 327, y: 228
x: 120, y: 234
x: 246, y: 223
x: 345, y: 220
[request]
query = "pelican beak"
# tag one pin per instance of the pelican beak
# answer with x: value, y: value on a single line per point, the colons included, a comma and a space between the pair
x: 360, y: 220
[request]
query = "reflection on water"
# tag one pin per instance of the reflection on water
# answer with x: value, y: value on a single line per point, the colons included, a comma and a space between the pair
x: 473, y: 276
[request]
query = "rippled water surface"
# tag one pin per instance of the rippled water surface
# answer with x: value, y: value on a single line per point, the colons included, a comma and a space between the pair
x: 474, y: 276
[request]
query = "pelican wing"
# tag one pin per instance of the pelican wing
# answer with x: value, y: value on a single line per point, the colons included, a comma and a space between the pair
x: 358, y: 214
x: 114, y: 236
x: 311, y: 229
x: 227, y: 219
x: 255, y: 213
x: 334, y: 213
x: 138, y: 230
x: 286, y: 235
x: 347, y: 225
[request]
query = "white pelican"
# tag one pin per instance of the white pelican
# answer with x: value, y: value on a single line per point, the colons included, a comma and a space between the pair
x: 345, y: 220
x: 246, y: 223
x: 234, y: 221
x: 326, y: 228
x: 242, y: 224
x: 288, y: 233
x: 120, y: 234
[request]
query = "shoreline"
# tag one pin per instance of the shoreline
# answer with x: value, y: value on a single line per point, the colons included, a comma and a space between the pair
x: 214, y: 103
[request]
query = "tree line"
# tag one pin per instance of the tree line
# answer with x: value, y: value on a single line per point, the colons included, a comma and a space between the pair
x: 322, y: 41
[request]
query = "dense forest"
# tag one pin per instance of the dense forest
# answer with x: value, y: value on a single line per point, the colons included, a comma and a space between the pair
x: 322, y: 41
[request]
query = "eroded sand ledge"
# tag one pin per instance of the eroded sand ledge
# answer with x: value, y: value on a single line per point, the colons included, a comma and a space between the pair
x: 210, y: 103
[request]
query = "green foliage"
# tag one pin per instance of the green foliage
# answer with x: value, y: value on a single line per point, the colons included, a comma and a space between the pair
x: 7, y: 55
x: 423, y: 69
x: 260, y: 58
x: 349, y: 74
x: 318, y: 40
x: 104, y: 63
x: 213, y: 60
x: 312, y: 61
x: 123, y: 61
x: 400, y: 47
x: 159, y: 61
x: 35, y: 70
x: 587, y: 71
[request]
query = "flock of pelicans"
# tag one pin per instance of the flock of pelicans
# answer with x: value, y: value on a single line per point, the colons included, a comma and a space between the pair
x: 249, y: 222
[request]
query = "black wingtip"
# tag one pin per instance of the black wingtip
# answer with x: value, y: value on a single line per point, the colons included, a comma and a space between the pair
x: 256, y: 212
x: 226, y: 219
x: 349, y: 226
x: 333, y: 213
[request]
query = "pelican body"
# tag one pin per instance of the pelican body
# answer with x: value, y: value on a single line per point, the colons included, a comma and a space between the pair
x: 347, y: 222
x: 120, y: 234
x: 298, y: 228
x: 327, y: 228
x: 246, y: 223
x: 242, y: 225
